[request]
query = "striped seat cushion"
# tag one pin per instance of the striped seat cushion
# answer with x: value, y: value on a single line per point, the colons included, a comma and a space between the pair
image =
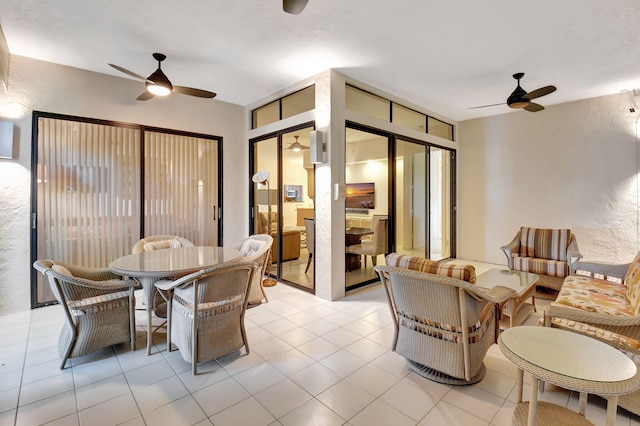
x: 544, y: 243
x: 554, y: 268
x: 460, y: 272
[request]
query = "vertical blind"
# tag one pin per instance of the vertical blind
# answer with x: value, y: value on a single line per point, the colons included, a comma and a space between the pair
x: 89, y: 191
x: 181, y: 183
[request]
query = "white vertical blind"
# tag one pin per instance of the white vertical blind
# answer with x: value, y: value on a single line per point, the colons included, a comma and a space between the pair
x: 88, y: 192
x: 181, y: 185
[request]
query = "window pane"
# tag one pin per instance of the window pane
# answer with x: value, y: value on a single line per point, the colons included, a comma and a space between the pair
x: 367, y: 103
x: 409, y: 118
x: 300, y: 101
x: 440, y: 203
x: 440, y: 128
x: 411, y: 198
x: 270, y: 113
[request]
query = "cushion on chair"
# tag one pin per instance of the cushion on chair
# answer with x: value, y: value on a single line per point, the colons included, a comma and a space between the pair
x: 250, y: 246
x: 460, y: 272
x: 594, y: 295
x: 61, y: 270
x: 554, y: 268
x: 162, y: 244
x: 632, y: 281
x: 544, y: 243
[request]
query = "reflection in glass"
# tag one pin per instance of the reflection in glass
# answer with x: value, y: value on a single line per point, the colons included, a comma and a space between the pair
x: 366, y: 227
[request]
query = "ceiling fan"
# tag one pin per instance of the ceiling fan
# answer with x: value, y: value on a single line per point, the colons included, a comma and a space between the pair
x: 520, y: 98
x: 297, y: 146
x: 159, y: 85
x: 294, y: 6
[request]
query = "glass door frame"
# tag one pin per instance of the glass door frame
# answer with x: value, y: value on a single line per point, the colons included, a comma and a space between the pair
x: 278, y: 135
x: 394, y: 138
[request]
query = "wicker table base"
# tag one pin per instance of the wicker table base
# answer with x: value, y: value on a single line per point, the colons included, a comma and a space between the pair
x: 548, y: 414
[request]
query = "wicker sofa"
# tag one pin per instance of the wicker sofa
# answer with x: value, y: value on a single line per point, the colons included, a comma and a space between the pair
x: 546, y: 252
x: 603, y: 301
x: 443, y: 323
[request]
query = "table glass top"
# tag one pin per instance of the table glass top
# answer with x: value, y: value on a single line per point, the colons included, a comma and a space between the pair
x: 174, y: 260
x: 570, y: 354
x: 515, y: 280
x: 358, y: 231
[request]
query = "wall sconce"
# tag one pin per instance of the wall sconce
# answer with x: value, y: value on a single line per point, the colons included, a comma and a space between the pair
x: 6, y: 139
x: 316, y: 153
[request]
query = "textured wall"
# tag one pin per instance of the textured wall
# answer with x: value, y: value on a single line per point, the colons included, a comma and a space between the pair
x: 42, y: 86
x: 573, y: 165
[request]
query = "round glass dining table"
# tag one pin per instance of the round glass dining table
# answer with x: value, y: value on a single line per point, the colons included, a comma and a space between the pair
x: 151, y: 266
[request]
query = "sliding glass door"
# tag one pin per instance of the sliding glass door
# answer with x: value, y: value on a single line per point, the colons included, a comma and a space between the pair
x: 283, y: 201
x: 367, y: 194
x: 411, y: 198
x: 98, y: 187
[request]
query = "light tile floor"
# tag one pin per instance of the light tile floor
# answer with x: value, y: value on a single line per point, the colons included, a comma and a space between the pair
x: 312, y: 362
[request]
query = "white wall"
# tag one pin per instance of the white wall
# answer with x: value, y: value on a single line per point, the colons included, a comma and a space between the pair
x: 573, y: 165
x: 43, y: 86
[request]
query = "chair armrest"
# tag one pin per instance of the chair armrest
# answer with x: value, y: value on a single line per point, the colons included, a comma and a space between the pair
x: 106, y: 286
x: 170, y: 285
x: 573, y: 254
x: 497, y: 294
x: 593, y: 318
x: 609, y: 270
x: 511, y: 248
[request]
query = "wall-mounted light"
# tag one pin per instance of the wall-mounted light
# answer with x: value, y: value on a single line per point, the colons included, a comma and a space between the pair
x: 316, y: 155
x: 6, y: 139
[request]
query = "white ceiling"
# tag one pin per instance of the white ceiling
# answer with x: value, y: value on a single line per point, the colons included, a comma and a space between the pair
x: 445, y: 56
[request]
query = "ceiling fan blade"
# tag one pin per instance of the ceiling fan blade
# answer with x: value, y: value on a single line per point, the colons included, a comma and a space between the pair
x: 485, y: 106
x: 294, y: 6
x: 131, y: 73
x: 194, y: 92
x: 145, y: 96
x: 539, y: 92
x: 533, y: 107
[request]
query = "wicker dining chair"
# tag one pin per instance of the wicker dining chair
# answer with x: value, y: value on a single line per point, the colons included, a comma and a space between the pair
x: 206, y: 311
x: 160, y: 242
x: 98, y: 307
x: 257, y: 248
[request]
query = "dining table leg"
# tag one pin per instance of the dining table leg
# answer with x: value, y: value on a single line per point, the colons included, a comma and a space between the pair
x: 149, y: 291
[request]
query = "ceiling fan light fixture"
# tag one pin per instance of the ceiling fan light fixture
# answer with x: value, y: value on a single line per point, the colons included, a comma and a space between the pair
x: 158, y: 89
x: 161, y: 85
x: 295, y: 146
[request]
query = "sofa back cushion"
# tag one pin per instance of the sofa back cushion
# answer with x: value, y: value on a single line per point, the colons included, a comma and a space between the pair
x: 460, y: 272
x: 632, y: 281
x: 544, y: 243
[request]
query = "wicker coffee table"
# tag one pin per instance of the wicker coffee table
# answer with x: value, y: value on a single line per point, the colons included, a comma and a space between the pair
x: 571, y: 361
x: 524, y: 285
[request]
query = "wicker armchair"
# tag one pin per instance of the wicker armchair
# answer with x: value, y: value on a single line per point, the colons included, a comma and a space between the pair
x: 603, y: 301
x: 546, y: 252
x: 98, y: 307
x: 257, y: 248
x: 206, y: 311
x: 443, y: 326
